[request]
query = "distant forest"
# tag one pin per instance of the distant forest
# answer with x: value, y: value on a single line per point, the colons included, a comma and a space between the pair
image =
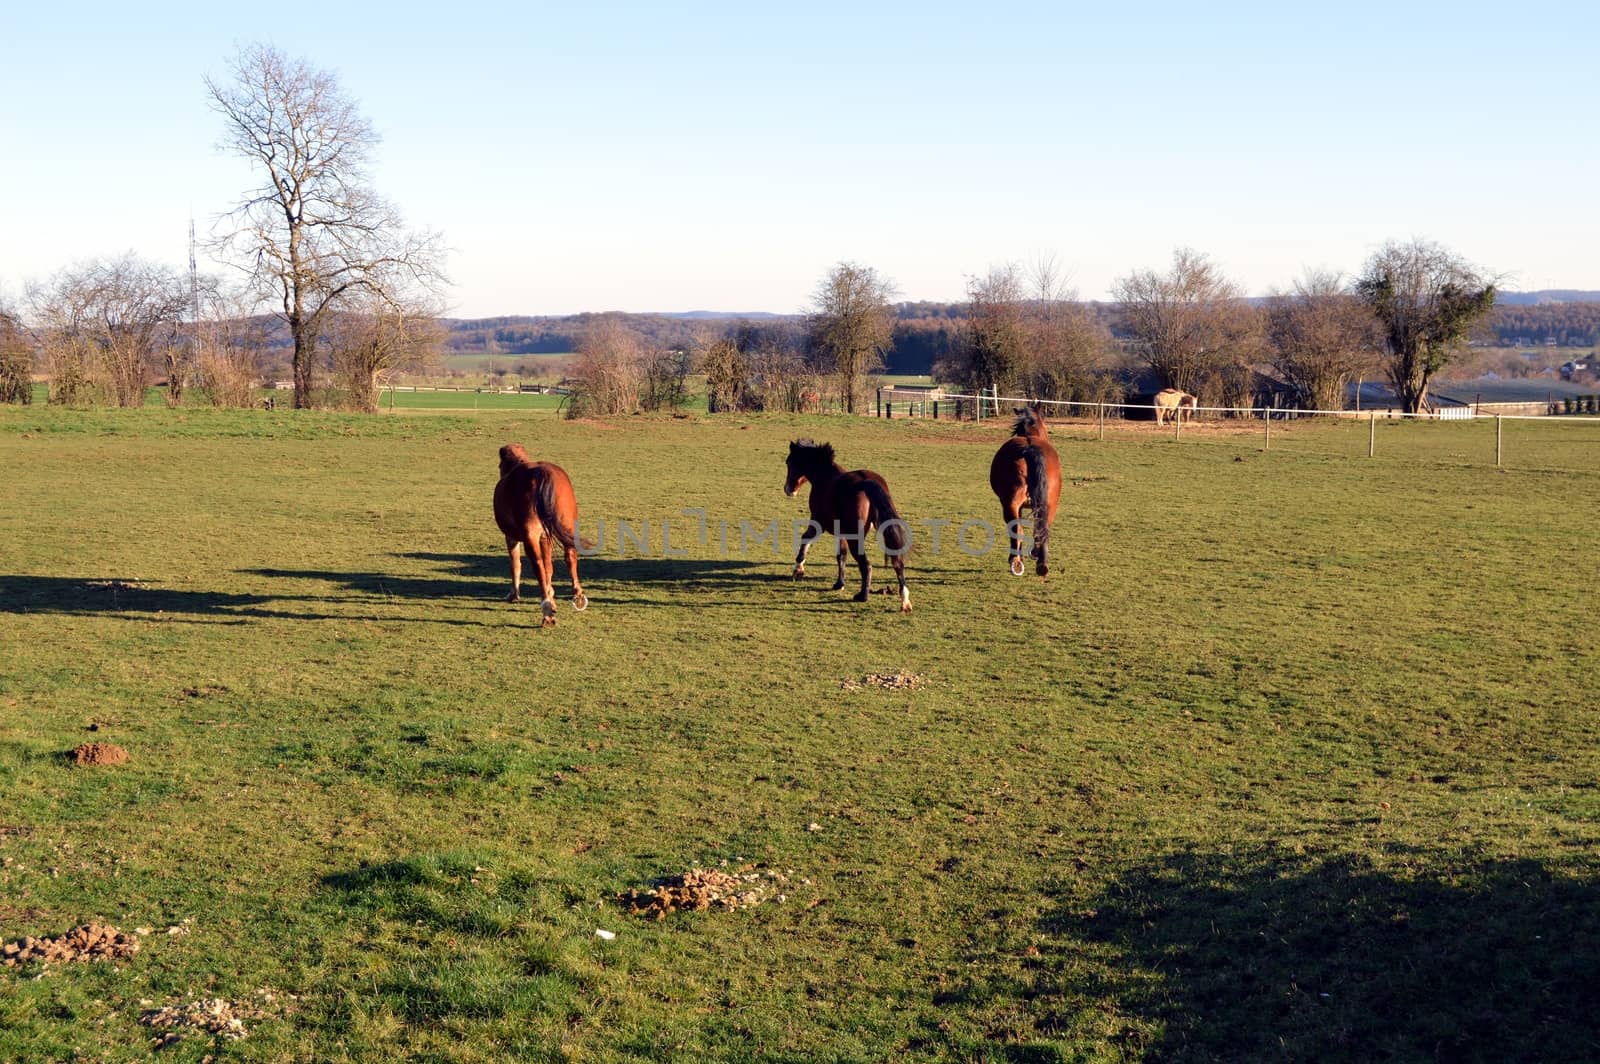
x: 926, y: 332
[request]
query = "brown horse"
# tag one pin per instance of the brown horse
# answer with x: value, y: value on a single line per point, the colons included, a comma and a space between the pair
x: 848, y: 505
x: 1026, y: 472
x: 535, y: 508
x: 1172, y: 402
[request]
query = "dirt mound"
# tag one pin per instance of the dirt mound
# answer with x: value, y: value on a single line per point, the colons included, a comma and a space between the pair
x: 215, y: 1016
x: 99, y: 754
x: 897, y: 681
x: 703, y: 888
x: 91, y: 942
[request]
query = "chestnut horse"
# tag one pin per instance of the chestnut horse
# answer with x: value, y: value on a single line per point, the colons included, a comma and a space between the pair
x: 1172, y: 402
x: 1026, y: 472
x: 848, y: 505
x: 535, y: 508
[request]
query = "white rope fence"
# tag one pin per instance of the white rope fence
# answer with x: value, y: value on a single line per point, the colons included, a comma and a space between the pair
x: 1267, y: 414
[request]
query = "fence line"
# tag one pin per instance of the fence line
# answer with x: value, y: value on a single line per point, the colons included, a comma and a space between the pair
x: 1280, y: 413
x: 1097, y: 411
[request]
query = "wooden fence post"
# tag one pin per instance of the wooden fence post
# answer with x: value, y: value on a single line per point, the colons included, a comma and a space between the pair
x: 1372, y: 433
x: 1497, y: 451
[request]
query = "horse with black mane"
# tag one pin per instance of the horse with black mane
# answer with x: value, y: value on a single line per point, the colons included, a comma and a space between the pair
x: 1026, y: 474
x: 535, y: 507
x: 848, y: 505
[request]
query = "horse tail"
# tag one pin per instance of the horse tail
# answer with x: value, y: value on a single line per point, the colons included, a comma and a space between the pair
x: 1038, y: 494
x: 544, y: 505
x: 880, y: 512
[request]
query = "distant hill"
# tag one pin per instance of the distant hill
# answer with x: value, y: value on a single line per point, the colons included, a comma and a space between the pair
x: 1548, y: 295
x: 723, y: 315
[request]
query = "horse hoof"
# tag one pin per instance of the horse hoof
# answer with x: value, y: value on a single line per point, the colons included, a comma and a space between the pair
x: 580, y: 602
x: 859, y: 596
x: 1042, y: 569
x: 799, y: 571
x: 1016, y: 566
x: 837, y: 587
x: 549, y: 621
x: 513, y: 597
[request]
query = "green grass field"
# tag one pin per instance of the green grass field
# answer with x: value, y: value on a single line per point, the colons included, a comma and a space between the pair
x: 1293, y: 756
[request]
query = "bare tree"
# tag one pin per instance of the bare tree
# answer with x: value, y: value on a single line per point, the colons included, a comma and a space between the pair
x: 1065, y: 344
x: 665, y: 369
x: 780, y: 377
x: 230, y: 343
x: 609, y: 368
x: 1320, y: 336
x: 114, y: 318
x: 16, y: 358
x: 313, y: 233
x: 727, y: 371
x: 1189, y: 322
x: 375, y: 336
x: 993, y: 347
x: 1426, y: 299
x: 851, y: 327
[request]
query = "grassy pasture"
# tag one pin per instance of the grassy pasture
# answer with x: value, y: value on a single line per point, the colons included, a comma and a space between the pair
x: 1294, y: 755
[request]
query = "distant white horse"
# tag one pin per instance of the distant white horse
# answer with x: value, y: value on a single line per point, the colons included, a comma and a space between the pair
x: 1172, y: 402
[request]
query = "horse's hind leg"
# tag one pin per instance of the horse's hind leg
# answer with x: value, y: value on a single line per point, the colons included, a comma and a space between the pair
x: 1012, y: 512
x: 858, y: 550
x: 539, y: 550
x: 514, y: 548
x: 580, y: 601
x: 844, y: 548
x: 899, y: 562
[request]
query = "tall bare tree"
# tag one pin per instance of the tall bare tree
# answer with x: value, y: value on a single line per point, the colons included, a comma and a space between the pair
x: 1189, y: 322
x: 1427, y: 300
x: 1065, y: 344
x: 16, y: 358
x: 313, y: 233
x: 851, y: 327
x: 111, y: 318
x: 1320, y: 336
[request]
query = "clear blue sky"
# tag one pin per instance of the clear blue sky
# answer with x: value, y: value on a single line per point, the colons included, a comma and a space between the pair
x: 723, y: 156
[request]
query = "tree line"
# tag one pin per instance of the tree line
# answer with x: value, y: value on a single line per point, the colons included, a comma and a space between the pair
x: 1406, y: 315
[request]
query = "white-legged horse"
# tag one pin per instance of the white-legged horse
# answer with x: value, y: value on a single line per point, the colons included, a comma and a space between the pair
x: 1172, y: 402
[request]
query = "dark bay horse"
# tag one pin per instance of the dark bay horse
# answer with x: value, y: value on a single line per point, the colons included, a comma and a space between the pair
x: 1026, y: 472
x: 535, y: 508
x: 848, y: 505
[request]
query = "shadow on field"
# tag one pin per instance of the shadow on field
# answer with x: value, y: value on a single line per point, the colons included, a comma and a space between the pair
x: 682, y: 574
x: 1301, y: 959
x: 84, y: 597
x: 388, y: 584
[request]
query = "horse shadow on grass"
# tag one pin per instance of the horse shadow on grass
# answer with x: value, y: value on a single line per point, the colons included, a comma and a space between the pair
x: 136, y: 599
x: 1246, y: 958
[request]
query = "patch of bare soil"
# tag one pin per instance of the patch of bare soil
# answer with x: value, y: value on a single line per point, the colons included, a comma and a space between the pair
x: 91, y: 942
x: 700, y: 889
x: 99, y: 754
x: 214, y: 1016
x: 894, y: 681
